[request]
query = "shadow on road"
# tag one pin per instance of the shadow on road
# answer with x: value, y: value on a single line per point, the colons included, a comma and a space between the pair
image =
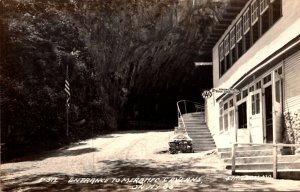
x: 211, y: 179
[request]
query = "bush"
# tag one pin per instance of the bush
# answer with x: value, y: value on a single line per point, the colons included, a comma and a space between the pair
x: 292, y: 128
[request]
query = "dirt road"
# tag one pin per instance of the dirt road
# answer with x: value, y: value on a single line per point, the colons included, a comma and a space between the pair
x: 129, y: 161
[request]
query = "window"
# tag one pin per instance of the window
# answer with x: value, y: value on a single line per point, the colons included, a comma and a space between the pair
x: 279, y: 71
x: 225, y: 106
x: 232, y: 38
x: 226, y: 45
x: 231, y: 103
x: 263, y: 6
x: 254, y: 12
x: 238, y: 97
x: 245, y: 93
x: 239, y: 30
x: 277, y: 91
x: 255, y: 102
x: 255, y: 20
x: 221, y: 118
x: 246, y: 20
x: 267, y: 79
x: 242, y: 115
x: 251, y: 88
x: 258, y: 85
x: 221, y: 51
x: 231, y: 117
x: 226, y: 122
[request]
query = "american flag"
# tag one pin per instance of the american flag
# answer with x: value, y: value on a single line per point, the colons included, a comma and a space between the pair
x: 67, y: 89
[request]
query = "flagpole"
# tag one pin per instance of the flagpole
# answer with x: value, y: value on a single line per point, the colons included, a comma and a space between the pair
x: 67, y: 105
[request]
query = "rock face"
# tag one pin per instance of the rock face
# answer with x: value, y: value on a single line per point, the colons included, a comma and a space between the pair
x: 127, y: 59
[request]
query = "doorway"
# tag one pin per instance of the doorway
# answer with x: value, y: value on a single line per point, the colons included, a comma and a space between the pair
x: 268, y: 114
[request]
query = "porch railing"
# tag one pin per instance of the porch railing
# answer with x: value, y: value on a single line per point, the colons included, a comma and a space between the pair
x: 275, y: 160
x: 186, y: 106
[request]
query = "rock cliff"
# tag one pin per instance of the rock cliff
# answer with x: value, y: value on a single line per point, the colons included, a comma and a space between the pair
x: 127, y: 59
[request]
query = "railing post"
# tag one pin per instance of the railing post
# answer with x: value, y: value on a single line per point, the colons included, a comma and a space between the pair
x: 233, y: 158
x: 275, y: 161
x: 185, y: 106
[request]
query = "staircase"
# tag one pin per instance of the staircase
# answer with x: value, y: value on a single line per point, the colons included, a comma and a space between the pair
x: 258, y: 160
x: 198, y: 131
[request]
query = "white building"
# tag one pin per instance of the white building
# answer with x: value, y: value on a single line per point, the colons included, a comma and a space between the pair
x: 259, y: 55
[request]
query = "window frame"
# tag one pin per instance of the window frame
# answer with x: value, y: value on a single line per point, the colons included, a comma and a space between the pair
x: 265, y: 4
x: 254, y: 12
x: 221, y: 51
x: 232, y: 38
x: 238, y: 30
x: 246, y: 21
x: 226, y: 46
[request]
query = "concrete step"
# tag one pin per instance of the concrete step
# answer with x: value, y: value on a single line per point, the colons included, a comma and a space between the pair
x: 203, y: 149
x: 191, y: 120
x: 196, y: 130
x: 195, y: 113
x: 191, y: 117
x: 201, y: 136
x: 281, y: 174
x: 202, y: 139
x: 265, y: 166
x: 204, y: 145
x: 264, y: 159
x: 246, y: 148
x: 224, y: 155
x: 191, y: 124
x: 194, y: 125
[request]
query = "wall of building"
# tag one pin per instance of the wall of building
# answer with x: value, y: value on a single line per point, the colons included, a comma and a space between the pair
x: 283, y: 31
x: 291, y: 83
x: 212, y: 120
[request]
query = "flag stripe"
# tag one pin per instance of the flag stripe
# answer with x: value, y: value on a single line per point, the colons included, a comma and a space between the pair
x: 68, y: 92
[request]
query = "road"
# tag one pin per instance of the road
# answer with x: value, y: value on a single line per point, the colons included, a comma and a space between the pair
x: 128, y: 161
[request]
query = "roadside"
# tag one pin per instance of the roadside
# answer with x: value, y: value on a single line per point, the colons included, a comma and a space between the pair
x: 129, y: 161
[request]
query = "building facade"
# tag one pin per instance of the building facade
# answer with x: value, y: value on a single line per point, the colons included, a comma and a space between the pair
x: 258, y: 56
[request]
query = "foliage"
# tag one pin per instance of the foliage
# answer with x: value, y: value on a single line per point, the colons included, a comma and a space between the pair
x: 123, y: 48
x: 292, y: 125
x: 38, y: 47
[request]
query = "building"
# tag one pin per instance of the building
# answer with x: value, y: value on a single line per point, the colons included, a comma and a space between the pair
x: 256, y: 74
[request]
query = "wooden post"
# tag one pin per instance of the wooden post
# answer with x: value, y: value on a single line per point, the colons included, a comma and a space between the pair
x: 233, y: 158
x: 275, y: 161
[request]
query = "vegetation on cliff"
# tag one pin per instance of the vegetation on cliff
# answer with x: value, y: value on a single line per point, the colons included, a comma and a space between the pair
x: 115, y: 50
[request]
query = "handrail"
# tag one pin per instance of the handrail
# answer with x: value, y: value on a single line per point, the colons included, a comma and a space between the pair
x: 180, y: 113
x: 275, y: 161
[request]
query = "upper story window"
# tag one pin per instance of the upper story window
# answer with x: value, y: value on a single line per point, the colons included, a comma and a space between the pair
x: 254, y: 12
x: 232, y: 38
x: 239, y: 30
x: 258, y: 85
x: 263, y: 4
x: 226, y: 45
x: 231, y: 103
x: 246, y: 20
x: 221, y: 51
x: 255, y: 19
x: 225, y: 106
x: 251, y: 88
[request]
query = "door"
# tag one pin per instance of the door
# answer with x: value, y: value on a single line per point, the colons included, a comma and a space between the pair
x: 277, y: 107
x: 255, y: 116
x: 268, y: 114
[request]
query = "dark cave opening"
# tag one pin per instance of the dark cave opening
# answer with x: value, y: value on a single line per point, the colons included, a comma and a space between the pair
x: 157, y: 109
